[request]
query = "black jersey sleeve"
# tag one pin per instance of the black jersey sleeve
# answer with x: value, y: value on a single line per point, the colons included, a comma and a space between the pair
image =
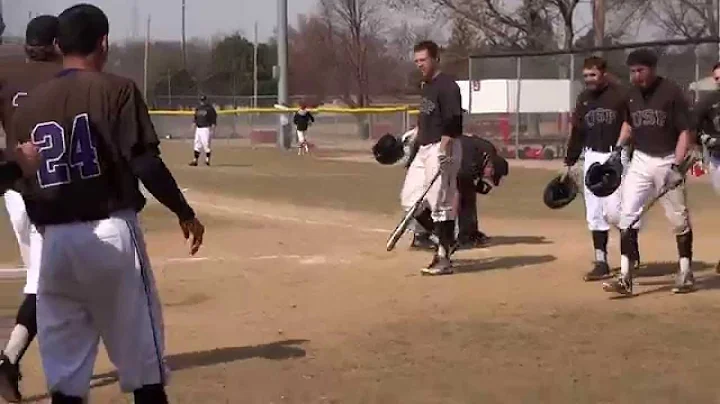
x: 577, y: 135
x: 139, y: 145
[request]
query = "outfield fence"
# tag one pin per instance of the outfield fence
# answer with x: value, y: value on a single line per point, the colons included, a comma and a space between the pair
x: 536, y: 91
x: 334, y: 128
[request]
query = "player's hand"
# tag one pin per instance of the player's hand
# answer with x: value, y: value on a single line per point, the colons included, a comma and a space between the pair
x: 616, y: 155
x: 709, y: 141
x: 444, y: 162
x: 674, y: 177
x: 28, y: 158
x: 197, y: 230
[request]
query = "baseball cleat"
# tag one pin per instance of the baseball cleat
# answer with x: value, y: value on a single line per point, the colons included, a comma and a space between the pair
x: 9, y: 380
x: 600, y: 271
x: 685, y: 283
x: 438, y: 266
x: 621, y: 285
x: 477, y: 240
x: 193, y: 164
x: 422, y: 242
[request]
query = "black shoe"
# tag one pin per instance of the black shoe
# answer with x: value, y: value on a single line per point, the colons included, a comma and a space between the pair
x: 621, y: 285
x: 438, y: 266
x: 193, y: 164
x: 600, y: 271
x: 9, y: 380
x: 422, y: 242
x: 207, y: 163
x: 476, y: 240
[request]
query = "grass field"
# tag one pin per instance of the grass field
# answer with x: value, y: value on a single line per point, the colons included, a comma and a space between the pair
x: 294, y: 299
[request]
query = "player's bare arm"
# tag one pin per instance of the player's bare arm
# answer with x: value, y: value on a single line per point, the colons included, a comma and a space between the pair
x: 681, y: 112
x: 143, y: 154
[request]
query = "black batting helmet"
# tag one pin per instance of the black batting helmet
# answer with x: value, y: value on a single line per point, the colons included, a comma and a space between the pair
x: 603, y: 179
x: 560, y: 191
x: 388, y: 149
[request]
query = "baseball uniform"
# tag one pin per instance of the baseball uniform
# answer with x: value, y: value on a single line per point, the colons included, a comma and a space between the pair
x: 596, y: 123
x: 95, y: 276
x: 440, y: 115
x: 657, y: 115
x: 205, y: 119
x: 706, y: 123
x: 16, y: 81
x: 302, y: 120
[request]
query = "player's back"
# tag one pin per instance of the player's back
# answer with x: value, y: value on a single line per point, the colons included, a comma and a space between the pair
x: 17, y: 80
x: 85, y: 126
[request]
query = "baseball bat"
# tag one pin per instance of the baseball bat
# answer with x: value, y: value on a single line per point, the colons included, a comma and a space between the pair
x: 684, y: 167
x: 402, y: 226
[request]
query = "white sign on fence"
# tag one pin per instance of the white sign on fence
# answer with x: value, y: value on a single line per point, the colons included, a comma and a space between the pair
x: 500, y: 96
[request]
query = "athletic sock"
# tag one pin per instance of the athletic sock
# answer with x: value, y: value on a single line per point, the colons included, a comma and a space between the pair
x: 600, y: 239
x: 19, y: 340
x: 196, y: 155
x: 207, y: 157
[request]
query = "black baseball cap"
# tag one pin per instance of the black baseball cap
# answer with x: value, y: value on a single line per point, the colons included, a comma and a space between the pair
x: 41, y: 31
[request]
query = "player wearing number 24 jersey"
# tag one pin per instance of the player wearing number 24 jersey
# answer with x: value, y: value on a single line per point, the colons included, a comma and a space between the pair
x: 96, y: 140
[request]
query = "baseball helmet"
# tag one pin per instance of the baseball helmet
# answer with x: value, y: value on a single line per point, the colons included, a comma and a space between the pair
x: 388, y: 149
x: 603, y: 179
x: 560, y: 191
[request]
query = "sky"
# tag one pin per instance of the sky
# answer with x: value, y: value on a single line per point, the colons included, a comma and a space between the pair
x: 204, y: 18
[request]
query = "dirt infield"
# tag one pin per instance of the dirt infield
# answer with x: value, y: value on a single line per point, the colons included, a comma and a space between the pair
x: 294, y: 300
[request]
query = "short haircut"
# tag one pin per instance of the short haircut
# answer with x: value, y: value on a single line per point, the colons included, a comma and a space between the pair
x: 41, y: 53
x: 642, y: 57
x: 715, y: 66
x: 81, y: 27
x: 595, y: 62
x: 431, y: 47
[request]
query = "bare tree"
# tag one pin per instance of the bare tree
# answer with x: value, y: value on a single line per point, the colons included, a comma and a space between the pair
x: 686, y: 18
x: 529, y: 24
x: 353, y: 26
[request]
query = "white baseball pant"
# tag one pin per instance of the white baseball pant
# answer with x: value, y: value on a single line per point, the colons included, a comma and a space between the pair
x: 28, y: 238
x: 300, y: 136
x: 715, y: 173
x: 441, y: 196
x: 645, y: 178
x: 96, y: 282
x: 203, y: 138
x: 602, y: 213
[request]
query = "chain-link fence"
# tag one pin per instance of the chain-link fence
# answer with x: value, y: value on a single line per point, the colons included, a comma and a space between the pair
x: 344, y: 129
x: 540, y: 89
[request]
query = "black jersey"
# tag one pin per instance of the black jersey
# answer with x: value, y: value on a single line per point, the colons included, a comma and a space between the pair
x: 90, y: 127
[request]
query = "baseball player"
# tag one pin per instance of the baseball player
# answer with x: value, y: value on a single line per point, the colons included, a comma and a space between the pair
x: 658, y: 123
x: 439, y: 153
x: 480, y: 164
x: 16, y: 81
x: 706, y: 124
x: 204, y: 120
x: 95, y: 278
x: 600, y: 111
x: 302, y: 120
x: 480, y: 161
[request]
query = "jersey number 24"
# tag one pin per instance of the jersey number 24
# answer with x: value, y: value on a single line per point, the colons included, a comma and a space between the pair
x: 59, y: 161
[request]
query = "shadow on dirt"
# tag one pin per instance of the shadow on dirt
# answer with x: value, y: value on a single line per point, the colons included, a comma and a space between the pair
x: 654, y: 269
x: 474, y: 265
x: 280, y: 350
x: 514, y: 240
